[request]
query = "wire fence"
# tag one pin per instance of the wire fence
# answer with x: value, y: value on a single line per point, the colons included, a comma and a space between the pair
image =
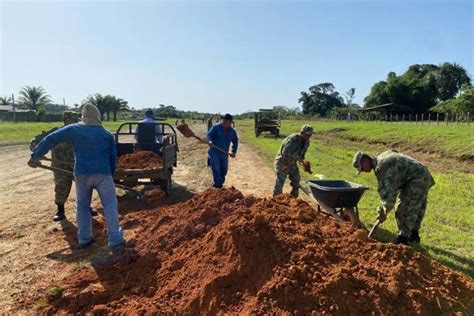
x: 423, y: 118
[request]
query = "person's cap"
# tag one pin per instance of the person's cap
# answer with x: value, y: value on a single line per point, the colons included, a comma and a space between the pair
x: 71, y: 116
x: 357, y: 161
x: 307, y: 129
x: 228, y: 117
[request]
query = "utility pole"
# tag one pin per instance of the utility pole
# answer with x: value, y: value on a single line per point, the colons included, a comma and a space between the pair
x: 13, y: 107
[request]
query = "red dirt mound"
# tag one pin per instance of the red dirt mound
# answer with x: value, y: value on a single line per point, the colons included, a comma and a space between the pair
x: 140, y: 160
x: 221, y: 252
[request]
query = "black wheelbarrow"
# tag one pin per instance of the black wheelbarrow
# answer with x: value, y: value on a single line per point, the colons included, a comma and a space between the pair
x: 338, y: 198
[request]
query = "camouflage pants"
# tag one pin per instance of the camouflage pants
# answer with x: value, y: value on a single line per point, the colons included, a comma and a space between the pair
x: 410, y: 209
x: 62, y: 187
x: 282, y: 172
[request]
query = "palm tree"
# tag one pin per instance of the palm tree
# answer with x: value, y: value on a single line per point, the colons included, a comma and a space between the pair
x: 5, y: 100
x: 33, y: 97
x: 119, y: 105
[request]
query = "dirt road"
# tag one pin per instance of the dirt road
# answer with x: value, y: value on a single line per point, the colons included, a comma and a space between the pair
x: 36, y: 252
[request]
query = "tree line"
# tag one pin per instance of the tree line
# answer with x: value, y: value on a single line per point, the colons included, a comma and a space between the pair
x: 444, y: 88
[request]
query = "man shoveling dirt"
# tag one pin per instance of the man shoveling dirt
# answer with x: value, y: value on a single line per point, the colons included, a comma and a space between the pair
x: 402, y: 176
x: 292, y: 150
x: 95, y: 153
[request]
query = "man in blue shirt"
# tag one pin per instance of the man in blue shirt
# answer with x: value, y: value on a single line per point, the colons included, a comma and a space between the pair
x: 221, y: 135
x: 95, y: 158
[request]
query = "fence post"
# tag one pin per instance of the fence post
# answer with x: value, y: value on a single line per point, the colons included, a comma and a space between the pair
x: 403, y: 117
x: 468, y: 121
x: 429, y: 118
x: 422, y: 117
x: 409, y: 118
x: 447, y: 118
x: 416, y: 118
x: 437, y: 118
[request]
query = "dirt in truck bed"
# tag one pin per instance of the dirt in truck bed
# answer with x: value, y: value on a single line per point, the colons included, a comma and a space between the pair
x: 140, y: 160
x: 223, y: 252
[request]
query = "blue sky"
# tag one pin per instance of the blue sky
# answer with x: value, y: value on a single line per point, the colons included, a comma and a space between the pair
x: 223, y: 56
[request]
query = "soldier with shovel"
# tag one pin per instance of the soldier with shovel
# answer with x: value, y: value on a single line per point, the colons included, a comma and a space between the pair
x: 404, y: 177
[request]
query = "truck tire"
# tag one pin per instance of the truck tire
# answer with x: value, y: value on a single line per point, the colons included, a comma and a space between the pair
x: 257, y: 132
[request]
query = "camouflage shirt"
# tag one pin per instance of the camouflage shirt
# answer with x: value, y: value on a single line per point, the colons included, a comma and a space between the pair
x: 291, y: 150
x: 394, y: 172
x: 63, y: 151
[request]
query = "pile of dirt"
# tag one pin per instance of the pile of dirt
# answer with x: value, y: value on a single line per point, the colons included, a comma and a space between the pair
x: 140, y: 160
x: 222, y: 252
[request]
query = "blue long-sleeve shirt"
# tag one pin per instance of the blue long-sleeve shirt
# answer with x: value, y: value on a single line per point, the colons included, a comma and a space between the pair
x: 94, y: 148
x: 221, y: 139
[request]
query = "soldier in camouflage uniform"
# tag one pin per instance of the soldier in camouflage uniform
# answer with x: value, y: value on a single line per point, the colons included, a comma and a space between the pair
x: 292, y: 150
x: 402, y: 176
x: 64, y: 156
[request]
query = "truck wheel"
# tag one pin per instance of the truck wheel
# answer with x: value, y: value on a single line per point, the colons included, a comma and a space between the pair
x: 257, y: 132
x: 277, y: 133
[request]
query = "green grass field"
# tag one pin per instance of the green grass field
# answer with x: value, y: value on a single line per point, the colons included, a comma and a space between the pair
x: 448, y: 228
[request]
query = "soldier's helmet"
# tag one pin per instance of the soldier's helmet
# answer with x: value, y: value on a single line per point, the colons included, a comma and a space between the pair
x: 356, y: 161
x: 307, y: 129
x: 71, y: 116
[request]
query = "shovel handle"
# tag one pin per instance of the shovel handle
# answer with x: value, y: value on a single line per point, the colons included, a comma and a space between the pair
x: 372, y: 230
x: 70, y: 163
x: 118, y: 185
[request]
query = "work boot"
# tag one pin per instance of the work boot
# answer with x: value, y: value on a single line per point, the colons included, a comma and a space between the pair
x: 401, y: 240
x: 59, y: 216
x: 414, y: 237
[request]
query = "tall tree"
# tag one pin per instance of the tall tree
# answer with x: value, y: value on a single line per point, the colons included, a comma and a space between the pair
x: 321, y: 99
x: 450, y: 80
x: 34, y: 97
x: 349, y: 95
x: 420, y: 87
x: 118, y: 105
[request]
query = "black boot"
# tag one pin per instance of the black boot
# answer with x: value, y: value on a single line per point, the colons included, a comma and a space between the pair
x: 401, y: 240
x: 414, y: 237
x: 59, y: 216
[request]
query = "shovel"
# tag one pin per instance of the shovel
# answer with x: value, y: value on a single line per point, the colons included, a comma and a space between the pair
x: 139, y: 195
x: 187, y: 132
x: 372, y: 230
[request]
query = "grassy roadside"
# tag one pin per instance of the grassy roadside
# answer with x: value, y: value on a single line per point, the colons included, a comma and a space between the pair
x: 448, y: 228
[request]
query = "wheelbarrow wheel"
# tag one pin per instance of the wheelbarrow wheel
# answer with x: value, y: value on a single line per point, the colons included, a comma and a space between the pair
x: 351, y: 216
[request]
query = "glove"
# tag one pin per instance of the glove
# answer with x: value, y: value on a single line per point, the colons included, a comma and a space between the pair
x: 307, y: 166
x: 34, y: 163
x: 382, y: 215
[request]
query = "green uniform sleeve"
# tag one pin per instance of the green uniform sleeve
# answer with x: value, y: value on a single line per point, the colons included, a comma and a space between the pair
x: 38, y: 138
x: 387, y: 187
x: 290, y: 148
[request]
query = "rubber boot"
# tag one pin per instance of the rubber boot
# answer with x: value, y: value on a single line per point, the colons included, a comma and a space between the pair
x: 59, y: 216
x: 401, y: 240
x: 414, y: 237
